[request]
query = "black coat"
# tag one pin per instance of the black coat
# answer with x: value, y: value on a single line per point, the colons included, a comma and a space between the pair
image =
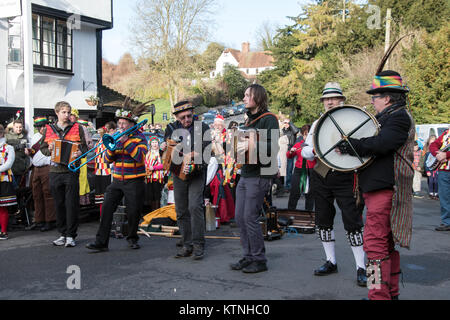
x: 395, y: 125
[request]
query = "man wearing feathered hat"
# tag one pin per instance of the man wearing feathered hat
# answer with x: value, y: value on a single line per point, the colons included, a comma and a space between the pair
x: 129, y: 173
x: 331, y: 186
x: 44, y: 214
x: 194, y: 137
x: 386, y: 184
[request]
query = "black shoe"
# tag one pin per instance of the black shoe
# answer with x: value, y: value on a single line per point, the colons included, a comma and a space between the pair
x: 361, y: 278
x: 179, y: 244
x: 326, y: 269
x: 240, y: 265
x: 47, y: 227
x: 133, y: 244
x: 199, y: 253
x: 96, y: 247
x: 34, y: 226
x: 443, y: 228
x: 255, y: 267
x: 184, y: 252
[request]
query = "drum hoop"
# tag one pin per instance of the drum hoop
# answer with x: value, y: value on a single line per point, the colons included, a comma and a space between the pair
x: 319, y: 126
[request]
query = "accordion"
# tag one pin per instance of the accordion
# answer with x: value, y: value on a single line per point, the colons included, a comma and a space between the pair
x: 248, y: 137
x: 64, y: 152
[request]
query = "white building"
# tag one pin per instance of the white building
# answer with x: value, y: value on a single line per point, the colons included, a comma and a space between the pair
x: 50, y: 51
x: 249, y: 63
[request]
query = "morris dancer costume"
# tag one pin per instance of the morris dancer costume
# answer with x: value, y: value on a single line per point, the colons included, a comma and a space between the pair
x: 102, y: 175
x: 128, y: 161
x: 330, y: 185
x: 155, y: 177
x: 7, y: 193
x: 387, y: 184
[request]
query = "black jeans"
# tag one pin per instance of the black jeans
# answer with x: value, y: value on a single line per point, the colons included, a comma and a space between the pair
x: 65, y: 189
x: 296, y: 192
x: 134, y: 192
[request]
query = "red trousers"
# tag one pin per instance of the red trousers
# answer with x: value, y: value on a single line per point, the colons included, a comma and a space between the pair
x: 4, y: 218
x: 379, y: 244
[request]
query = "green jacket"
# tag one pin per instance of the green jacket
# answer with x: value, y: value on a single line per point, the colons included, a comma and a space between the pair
x: 264, y: 168
x: 19, y: 143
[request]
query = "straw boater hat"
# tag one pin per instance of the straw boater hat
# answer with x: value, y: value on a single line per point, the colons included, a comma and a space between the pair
x: 332, y: 90
x: 183, y: 106
x: 130, y: 112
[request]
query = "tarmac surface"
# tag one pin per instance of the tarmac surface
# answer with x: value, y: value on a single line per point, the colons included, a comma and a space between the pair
x: 31, y: 268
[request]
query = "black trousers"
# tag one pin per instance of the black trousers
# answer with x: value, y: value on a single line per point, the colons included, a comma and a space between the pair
x: 134, y: 192
x: 65, y: 189
x: 296, y: 192
x: 336, y: 186
x: 190, y: 209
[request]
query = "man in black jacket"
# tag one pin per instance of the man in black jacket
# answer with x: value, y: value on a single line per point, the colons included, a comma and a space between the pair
x: 255, y: 181
x: 194, y: 137
x: 377, y: 182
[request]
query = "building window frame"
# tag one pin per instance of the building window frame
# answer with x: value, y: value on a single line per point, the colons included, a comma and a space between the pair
x: 15, y: 39
x: 52, y: 44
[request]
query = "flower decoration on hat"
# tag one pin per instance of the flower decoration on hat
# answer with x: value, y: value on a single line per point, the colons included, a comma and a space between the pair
x: 132, y: 112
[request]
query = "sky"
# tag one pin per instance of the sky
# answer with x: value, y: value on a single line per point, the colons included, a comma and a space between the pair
x: 236, y: 21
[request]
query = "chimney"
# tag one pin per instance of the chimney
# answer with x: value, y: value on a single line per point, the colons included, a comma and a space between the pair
x: 245, y: 47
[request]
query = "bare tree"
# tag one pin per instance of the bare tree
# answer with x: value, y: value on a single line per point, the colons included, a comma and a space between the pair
x: 169, y: 32
x: 265, y: 35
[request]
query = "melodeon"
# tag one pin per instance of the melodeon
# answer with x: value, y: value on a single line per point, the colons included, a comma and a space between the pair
x: 168, y: 157
x: 64, y: 152
x: 244, y: 136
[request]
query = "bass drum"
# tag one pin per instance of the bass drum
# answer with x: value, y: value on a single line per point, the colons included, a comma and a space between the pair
x: 337, y: 125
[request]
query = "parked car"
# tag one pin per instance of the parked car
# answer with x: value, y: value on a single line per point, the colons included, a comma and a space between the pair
x: 241, y: 108
x: 225, y: 113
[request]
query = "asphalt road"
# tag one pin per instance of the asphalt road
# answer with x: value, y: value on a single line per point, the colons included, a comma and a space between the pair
x: 32, y: 268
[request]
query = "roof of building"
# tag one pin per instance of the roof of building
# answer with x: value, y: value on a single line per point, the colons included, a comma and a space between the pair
x: 251, y: 59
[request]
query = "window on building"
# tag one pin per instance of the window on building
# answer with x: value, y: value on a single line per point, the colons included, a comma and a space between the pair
x: 248, y: 71
x: 257, y: 71
x: 52, y: 43
x: 15, y: 40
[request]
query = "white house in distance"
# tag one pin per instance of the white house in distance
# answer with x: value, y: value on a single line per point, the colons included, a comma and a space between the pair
x: 249, y: 63
x: 51, y: 50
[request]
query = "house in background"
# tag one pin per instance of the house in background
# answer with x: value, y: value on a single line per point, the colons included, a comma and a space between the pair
x: 249, y: 63
x: 63, y: 55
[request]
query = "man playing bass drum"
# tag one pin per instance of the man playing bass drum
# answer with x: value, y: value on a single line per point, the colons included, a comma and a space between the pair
x: 330, y: 185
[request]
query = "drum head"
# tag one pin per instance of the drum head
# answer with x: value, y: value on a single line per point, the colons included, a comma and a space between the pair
x: 350, y: 121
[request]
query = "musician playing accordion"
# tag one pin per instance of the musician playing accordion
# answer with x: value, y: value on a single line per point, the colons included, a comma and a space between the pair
x: 64, y: 184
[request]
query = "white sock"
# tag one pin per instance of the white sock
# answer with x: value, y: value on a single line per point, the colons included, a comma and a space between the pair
x: 359, y: 254
x: 330, y: 251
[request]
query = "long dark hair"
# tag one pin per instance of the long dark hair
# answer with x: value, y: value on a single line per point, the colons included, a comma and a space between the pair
x: 259, y: 95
